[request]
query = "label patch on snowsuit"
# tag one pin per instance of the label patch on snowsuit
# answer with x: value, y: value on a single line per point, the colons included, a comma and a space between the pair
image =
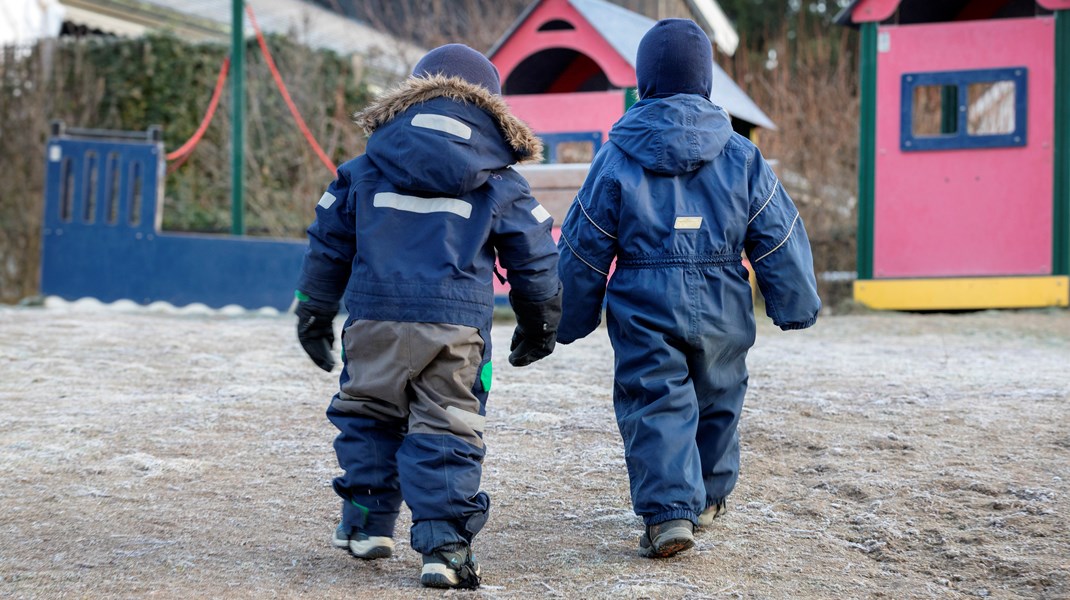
x: 540, y: 213
x: 474, y: 420
x: 688, y: 223
x: 327, y: 200
x: 444, y: 124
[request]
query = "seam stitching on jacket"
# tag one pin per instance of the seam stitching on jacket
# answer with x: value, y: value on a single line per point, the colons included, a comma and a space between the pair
x: 777, y: 247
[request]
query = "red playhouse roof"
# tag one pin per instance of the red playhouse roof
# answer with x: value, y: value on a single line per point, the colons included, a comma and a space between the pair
x: 598, y: 41
x: 926, y: 11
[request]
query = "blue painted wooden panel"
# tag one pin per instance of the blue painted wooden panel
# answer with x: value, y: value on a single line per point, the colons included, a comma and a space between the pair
x: 101, y: 237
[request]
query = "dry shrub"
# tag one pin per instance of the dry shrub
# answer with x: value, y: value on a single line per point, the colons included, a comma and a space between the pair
x: 812, y: 96
x: 132, y: 84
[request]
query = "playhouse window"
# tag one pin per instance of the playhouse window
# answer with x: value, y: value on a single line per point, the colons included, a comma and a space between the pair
x: 577, y: 147
x: 935, y: 110
x: 991, y: 108
x: 964, y: 109
x: 556, y: 25
x: 556, y: 71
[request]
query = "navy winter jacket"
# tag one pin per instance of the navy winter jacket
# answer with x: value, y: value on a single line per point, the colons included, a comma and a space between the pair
x: 675, y: 197
x: 409, y: 231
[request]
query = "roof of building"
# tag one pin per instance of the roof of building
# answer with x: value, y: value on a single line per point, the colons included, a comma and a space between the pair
x: 906, y: 12
x: 210, y: 19
x: 623, y: 30
x: 713, y: 20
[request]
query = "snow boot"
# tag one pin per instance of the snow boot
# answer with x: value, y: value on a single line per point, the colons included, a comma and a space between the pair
x: 666, y: 539
x: 712, y: 512
x: 361, y: 545
x: 451, y: 566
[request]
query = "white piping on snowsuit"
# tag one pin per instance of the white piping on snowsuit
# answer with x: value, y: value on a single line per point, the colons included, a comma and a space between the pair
x: 577, y: 255
x: 593, y: 223
x: 767, y: 200
x: 775, y: 248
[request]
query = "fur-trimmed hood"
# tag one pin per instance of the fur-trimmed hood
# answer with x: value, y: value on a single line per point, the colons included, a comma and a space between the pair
x: 527, y: 148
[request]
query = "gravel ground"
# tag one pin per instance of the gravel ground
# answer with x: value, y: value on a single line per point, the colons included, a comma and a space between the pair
x: 184, y: 454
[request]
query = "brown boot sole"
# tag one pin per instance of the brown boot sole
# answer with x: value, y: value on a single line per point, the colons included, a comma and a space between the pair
x: 666, y: 548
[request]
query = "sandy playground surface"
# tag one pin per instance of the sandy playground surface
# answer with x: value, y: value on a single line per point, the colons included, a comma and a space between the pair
x: 148, y: 454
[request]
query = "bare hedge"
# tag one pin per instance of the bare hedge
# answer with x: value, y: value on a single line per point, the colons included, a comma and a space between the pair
x: 131, y: 84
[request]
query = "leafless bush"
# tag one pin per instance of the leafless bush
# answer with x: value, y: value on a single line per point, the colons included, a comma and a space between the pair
x: 284, y: 178
x: 812, y: 95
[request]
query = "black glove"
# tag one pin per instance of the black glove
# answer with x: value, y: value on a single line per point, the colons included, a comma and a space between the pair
x: 536, y: 328
x: 315, y: 331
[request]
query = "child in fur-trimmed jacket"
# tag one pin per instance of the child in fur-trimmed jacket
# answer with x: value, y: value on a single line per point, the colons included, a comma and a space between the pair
x: 408, y: 235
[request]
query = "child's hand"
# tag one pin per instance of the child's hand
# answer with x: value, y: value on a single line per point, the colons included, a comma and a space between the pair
x: 527, y: 350
x: 536, y: 328
x: 315, y: 331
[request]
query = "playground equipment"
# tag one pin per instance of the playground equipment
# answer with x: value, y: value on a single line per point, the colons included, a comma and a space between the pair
x: 101, y: 236
x: 964, y: 170
x: 568, y: 70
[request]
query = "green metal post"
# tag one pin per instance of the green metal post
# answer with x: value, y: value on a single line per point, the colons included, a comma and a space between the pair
x: 1061, y: 237
x: 237, y: 117
x: 867, y: 149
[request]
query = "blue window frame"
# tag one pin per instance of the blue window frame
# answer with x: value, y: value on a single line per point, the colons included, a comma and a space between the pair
x: 576, y: 142
x: 948, y: 110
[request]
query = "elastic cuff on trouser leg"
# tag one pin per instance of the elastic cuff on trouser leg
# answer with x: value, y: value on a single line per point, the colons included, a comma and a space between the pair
x: 357, y: 517
x: 427, y: 536
x: 679, y: 513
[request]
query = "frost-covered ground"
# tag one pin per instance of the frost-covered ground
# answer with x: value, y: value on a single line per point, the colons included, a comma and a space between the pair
x: 185, y: 454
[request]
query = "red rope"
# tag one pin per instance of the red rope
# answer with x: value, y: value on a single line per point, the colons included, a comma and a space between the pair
x: 286, y: 94
x: 212, y: 104
x: 177, y: 164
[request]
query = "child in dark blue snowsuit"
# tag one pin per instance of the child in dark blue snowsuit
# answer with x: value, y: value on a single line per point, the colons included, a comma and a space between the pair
x: 675, y: 197
x: 407, y: 235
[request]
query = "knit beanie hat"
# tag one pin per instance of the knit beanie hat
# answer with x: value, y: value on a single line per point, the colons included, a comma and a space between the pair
x: 458, y: 60
x: 675, y: 57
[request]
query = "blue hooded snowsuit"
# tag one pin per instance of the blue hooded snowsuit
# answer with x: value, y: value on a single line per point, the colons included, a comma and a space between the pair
x: 675, y: 197
x: 409, y: 232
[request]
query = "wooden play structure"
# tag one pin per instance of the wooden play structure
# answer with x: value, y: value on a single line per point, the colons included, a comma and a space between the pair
x: 568, y: 70
x: 964, y: 170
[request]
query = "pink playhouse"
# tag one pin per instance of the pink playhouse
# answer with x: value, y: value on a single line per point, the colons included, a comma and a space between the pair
x: 568, y: 69
x: 964, y: 171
